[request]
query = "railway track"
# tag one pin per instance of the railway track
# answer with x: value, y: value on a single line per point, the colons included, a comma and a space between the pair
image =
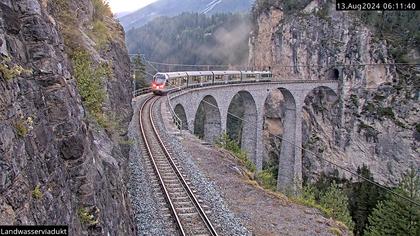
x: 182, y: 211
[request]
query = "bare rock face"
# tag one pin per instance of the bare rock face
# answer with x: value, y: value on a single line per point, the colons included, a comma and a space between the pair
x: 373, y: 120
x: 57, y: 165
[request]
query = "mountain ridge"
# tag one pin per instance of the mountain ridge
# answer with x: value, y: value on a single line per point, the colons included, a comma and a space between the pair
x: 175, y: 7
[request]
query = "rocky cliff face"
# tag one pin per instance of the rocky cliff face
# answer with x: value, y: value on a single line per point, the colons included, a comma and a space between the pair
x: 63, y: 154
x: 374, y: 122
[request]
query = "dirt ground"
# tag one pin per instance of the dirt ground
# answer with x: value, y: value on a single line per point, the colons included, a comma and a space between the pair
x: 262, y: 212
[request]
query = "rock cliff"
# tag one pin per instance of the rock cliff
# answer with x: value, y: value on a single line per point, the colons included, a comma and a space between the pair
x: 375, y: 119
x: 65, y: 106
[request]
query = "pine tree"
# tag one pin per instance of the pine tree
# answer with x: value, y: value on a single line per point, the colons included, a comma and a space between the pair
x: 397, y: 216
x: 139, y: 73
x: 336, y: 200
x: 363, y: 198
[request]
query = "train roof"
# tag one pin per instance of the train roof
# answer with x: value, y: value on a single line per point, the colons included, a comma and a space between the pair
x: 210, y: 73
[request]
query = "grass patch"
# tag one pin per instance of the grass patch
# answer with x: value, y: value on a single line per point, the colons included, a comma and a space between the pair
x: 100, y: 34
x: 86, y: 217
x: 21, y: 128
x: 10, y: 71
x: 37, y: 193
x: 226, y: 143
x: 335, y: 231
x: 267, y: 180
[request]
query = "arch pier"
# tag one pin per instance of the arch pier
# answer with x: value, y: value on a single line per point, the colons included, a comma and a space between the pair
x: 207, y: 108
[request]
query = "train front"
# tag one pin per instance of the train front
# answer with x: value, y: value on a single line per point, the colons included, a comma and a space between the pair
x: 158, y: 84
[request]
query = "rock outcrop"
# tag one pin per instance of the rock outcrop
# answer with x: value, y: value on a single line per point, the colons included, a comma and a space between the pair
x: 62, y: 162
x: 374, y: 122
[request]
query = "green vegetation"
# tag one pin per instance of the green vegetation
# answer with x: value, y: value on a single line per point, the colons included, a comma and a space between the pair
x: 355, y: 100
x: 89, y: 82
x: 288, y: 6
x: 9, y: 70
x: 37, y: 193
x: 335, y: 199
x: 139, y: 73
x: 357, y: 197
x: 387, y: 25
x: 418, y: 127
x: 363, y: 198
x: 307, y: 198
x: 335, y: 231
x: 386, y: 112
x: 332, y: 202
x: 226, y: 143
x: 100, y: 34
x: 193, y: 38
x: 102, y: 9
x: 21, y: 128
x: 87, y: 217
x: 369, y: 131
x: 396, y: 216
x: 267, y: 180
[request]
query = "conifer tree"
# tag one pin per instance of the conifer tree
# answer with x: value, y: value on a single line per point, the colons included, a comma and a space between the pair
x: 336, y: 200
x: 139, y: 73
x: 363, y: 198
x: 395, y: 215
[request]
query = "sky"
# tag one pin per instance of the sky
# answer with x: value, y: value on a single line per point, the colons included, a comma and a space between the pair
x: 119, y: 6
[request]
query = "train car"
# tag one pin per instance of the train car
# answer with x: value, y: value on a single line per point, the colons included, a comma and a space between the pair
x: 164, y: 82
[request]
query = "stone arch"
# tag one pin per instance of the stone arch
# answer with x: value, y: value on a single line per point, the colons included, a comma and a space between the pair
x: 207, y: 122
x: 320, y: 124
x: 285, y: 138
x: 242, y: 122
x: 180, y: 112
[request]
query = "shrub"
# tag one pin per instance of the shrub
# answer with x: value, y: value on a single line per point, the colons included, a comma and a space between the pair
x: 9, y: 71
x: 21, y: 128
x: 89, y: 82
x: 308, y: 198
x: 355, y: 100
x: 267, y: 180
x: 37, y: 193
x: 386, y: 112
x: 86, y: 217
x: 100, y: 34
x: 101, y: 9
x: 226, y: 143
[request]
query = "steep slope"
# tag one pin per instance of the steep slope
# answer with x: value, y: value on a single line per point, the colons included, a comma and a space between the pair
x: 375, y: 121
x: 175, y: 7
x: 193, y: 39
x: 62, y: 156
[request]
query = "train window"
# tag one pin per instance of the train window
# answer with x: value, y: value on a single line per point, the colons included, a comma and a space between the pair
x: 160, y: 79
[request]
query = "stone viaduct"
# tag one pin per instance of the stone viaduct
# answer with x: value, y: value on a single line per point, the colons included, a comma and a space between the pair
x: 216, y: 101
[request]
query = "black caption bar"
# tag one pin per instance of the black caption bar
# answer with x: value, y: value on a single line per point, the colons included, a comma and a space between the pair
x: 34, y: 230
x: 375, y: 5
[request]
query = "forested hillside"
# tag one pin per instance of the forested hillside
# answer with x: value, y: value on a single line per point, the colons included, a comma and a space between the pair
x: 193, y: 38
x: 175, y: 7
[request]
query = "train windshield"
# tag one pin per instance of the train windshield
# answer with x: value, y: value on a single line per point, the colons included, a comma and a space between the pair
x: 160, y: 79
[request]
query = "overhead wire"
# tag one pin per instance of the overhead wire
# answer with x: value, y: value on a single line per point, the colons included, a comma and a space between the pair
x: 328, y: 161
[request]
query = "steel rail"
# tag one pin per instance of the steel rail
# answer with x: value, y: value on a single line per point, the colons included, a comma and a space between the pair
x: 176, y: 170
x: 166, y: 194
